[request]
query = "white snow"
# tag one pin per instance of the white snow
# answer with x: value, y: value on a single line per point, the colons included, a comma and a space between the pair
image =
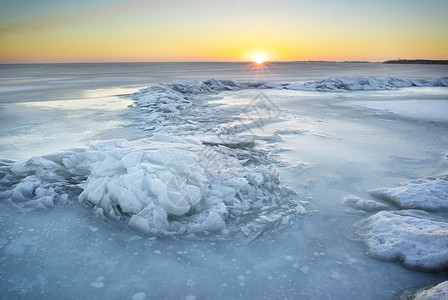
x: 438, y: 292
x: 426, y: 194
x: 408, y: 236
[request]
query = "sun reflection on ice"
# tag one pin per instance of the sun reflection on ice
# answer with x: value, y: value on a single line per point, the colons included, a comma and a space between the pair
x: 259, y: 63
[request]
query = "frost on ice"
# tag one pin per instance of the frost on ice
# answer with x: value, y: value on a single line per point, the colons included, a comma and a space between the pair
x: 408, y: 236
x: 158, y: 187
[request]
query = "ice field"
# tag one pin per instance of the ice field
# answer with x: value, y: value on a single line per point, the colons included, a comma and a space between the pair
x: 223, y: 181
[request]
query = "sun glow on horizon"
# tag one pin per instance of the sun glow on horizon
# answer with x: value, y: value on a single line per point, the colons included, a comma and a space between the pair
x: 259, y: 58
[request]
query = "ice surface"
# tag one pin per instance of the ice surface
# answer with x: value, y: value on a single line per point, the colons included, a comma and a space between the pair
x: 407, y: 236
x: 438, y: 292
x: 179, y: 187
x: 323, y: 151
x: 427, y: 194
x: 425, y: 110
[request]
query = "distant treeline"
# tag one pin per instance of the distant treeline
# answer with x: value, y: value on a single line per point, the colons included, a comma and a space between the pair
x: 417, y: 61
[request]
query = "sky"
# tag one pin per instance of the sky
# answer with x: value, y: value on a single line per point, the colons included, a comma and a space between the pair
x: 220, y: 30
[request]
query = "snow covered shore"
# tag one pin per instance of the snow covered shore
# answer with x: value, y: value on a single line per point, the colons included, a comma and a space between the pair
x: 179, y: 90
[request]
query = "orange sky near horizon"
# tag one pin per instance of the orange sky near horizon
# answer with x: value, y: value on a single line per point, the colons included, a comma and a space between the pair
x: 284, y: 30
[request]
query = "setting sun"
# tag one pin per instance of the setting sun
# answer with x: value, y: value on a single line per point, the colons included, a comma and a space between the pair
x: 259, y: 58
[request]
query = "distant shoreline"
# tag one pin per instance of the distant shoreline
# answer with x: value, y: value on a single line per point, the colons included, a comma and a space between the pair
x: 417, y: 61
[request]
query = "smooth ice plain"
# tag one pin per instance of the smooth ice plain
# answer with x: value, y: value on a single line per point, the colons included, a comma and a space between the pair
x: 296, y: 182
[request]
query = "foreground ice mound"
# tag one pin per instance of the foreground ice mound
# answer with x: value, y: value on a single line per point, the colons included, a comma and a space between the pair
x: 167, y: 187
x: 426, y: 194
x: 409, y: 236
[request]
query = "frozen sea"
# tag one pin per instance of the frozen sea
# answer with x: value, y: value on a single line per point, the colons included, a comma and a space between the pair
x: 305, y: 180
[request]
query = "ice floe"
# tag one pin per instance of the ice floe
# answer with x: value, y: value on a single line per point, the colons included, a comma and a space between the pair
x: 416, y: 235
x: 426, y: 194
x: 438, y: 292
x: 364, y: 204
x: 412, y: 237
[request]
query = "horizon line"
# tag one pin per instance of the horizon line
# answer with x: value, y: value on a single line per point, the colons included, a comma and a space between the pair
x: 219, y: 61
